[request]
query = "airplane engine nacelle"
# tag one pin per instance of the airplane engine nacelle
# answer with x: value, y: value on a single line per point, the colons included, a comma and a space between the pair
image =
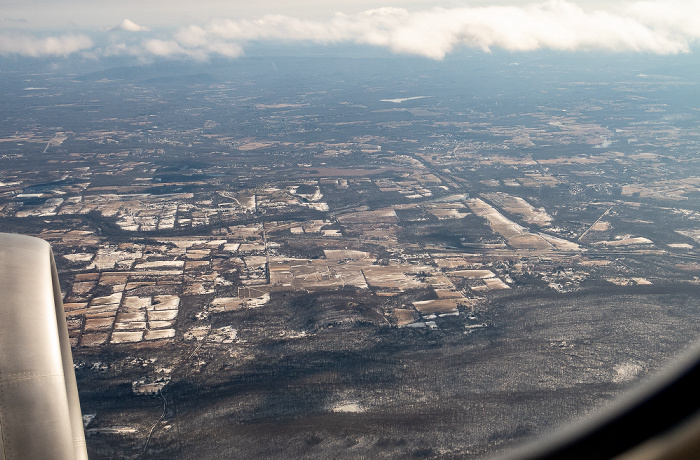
x: 40, y: 414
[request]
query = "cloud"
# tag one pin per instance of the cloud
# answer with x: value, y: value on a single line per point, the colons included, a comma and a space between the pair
x: 642, y: 26
x: 29, y: 45
x: 678, y: 18
x: 172, y: 48
x: 649, y: 26
x: 131, y: 26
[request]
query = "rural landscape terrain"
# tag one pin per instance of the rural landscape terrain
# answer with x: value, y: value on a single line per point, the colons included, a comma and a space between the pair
x: 318, y: 257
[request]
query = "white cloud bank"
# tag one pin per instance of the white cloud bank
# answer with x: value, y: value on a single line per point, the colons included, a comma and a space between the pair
x: 131, y: 26
x: 662, y: 27
x: 28, y: 45
x: 652, y: 26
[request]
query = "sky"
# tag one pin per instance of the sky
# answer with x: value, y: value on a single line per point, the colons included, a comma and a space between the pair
x: 204, y: 29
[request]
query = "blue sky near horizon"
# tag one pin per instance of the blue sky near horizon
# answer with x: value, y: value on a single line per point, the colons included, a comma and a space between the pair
x: 157, y: 29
